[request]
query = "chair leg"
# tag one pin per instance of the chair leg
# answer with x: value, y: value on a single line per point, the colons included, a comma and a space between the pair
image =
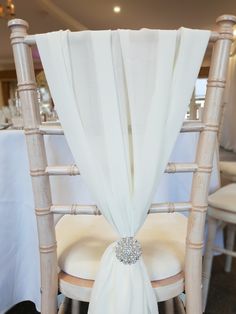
x: 63, y: 306
x: 208, y: 258
x: 75, y: 307
x: 169, y: 306
x: 179, y: 306
x: 229, y: 246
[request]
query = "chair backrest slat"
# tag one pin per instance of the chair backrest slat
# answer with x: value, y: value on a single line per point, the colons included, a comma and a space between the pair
x: 73, y: 170
x: 188, y: 126
x: 30, y: 39
x: 76, y: 209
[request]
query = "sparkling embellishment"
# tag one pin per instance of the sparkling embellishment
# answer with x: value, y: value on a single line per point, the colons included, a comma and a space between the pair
x: 128, y: 250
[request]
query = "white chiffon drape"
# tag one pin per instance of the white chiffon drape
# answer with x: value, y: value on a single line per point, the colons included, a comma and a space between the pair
x: 228, y: 125
x: 121, y: 97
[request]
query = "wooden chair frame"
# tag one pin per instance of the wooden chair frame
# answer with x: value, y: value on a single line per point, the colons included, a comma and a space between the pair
x: 201, y: 168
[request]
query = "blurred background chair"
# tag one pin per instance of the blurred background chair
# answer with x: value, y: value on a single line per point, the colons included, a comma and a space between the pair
x: 227, y: 172
x: 221, y: 214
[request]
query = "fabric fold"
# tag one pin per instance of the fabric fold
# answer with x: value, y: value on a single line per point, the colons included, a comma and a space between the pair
x: 121, y: 97
x: 125, y: 288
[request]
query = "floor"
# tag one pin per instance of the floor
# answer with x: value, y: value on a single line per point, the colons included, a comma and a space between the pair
x: 221, y: 300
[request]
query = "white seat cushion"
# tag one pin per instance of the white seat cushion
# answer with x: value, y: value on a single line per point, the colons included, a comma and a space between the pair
x: 224, y: 198
x: 228, y: 167
x: 83, y: 239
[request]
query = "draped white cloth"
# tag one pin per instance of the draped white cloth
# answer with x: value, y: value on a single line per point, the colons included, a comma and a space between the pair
x: 228, y: 126
x: 121, y: 97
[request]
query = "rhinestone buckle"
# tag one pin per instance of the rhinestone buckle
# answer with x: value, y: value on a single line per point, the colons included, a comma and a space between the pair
x: 128, y: 250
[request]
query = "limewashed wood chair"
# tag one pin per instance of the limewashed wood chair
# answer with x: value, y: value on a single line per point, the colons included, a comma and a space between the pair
x: 188, y: 278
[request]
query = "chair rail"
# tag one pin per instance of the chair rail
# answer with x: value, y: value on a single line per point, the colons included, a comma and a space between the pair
x: 76, y: 209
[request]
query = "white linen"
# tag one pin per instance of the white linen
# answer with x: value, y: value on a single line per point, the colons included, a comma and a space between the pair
x: 103, y: 83
x: 19, y: 256
x: 228, y: 126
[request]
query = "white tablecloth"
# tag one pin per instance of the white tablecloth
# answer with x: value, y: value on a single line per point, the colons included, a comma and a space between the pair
x: 228, y: 126
x: 19, y: 257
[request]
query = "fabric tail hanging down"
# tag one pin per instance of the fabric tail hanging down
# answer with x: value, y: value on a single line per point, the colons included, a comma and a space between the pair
x: 121, y: 97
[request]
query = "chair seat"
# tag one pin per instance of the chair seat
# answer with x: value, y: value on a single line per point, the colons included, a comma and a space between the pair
x: 83, y: 239
x: 228, y: 168
x: 224, y: 198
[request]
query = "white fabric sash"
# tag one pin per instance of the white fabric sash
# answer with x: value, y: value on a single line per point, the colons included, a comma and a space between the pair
x: 121, y: 97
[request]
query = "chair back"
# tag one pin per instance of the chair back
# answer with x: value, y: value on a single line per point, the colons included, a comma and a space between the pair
x: 201, y: 167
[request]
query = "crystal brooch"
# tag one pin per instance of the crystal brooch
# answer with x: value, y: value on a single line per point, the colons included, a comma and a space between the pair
x: 128, y: 250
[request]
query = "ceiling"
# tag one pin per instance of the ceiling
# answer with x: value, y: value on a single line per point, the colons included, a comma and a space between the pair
x: 49, y: 15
